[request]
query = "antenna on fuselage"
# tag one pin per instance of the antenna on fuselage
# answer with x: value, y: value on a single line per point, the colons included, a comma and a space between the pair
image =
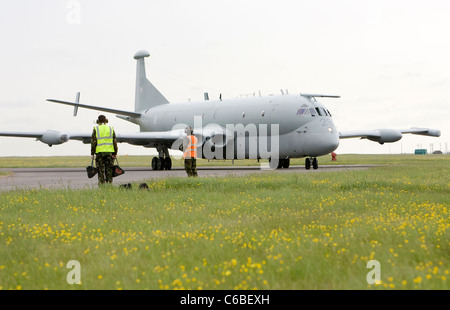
x: 319, y: 95
x: 75, y: 107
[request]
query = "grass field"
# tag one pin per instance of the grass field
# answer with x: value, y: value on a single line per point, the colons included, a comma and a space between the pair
x: 145, y: 161
x: 266, y: 231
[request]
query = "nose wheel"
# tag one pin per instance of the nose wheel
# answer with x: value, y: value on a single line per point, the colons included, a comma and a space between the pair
x: 311, y: 161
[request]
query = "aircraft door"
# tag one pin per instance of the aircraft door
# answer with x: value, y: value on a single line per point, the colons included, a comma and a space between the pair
x: 274, y: 113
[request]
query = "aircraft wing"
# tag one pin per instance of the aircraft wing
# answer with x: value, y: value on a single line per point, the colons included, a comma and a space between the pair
x: 422, y: 131
x: 151, y: 139
x: 53, y: 137
x: 171, y: 138
x: 25, y: 134
x: 387, y: 135
x: 49, y: 137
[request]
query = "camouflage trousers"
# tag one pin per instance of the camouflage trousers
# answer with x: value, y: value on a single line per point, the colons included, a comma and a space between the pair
x: 105, y: 166
x: 190, y: 165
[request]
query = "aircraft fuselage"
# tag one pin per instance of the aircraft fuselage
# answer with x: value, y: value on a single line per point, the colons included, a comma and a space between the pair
x: 305, y: 127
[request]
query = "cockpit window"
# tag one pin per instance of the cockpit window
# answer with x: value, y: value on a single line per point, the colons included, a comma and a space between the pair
x: 304, y: 110
x: 301, y: 111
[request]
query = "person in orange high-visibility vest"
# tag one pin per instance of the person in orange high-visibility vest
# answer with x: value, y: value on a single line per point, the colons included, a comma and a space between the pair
x: 190, y: 153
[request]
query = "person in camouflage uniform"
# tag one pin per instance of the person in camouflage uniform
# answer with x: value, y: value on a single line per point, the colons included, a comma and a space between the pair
x: 190, y: 153
x: 190, y: 165
x: 104, y: 149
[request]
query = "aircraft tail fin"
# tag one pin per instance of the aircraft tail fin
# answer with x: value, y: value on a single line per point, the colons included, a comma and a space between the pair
x: 147, y: 96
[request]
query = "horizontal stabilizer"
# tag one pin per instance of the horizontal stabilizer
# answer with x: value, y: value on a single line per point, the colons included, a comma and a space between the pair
x: 76, y: 104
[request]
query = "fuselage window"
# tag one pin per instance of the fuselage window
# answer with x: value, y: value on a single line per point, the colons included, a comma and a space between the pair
x: 324, y: 111
x: 318, y: 111
x: 329, y: 113
x: 313, y: 112
x: 301, y: 111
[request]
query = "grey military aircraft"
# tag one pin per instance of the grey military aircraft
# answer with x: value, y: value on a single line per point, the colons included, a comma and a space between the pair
x: 274, y: 127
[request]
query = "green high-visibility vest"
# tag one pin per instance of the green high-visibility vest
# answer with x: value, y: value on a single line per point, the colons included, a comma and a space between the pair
x: 104, y: 139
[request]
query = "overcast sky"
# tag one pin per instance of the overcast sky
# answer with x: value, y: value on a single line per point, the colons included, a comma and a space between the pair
x: 389, y: 60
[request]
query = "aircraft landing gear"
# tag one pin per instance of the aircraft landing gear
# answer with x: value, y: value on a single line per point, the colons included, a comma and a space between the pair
x: 282, y: 163
x: 314, y: 162
x: 163, y: 161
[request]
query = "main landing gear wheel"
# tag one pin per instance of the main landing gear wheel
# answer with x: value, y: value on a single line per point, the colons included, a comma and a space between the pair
x: 314, y: 162
x: 163, y: 160
x: 155, y: 163
x: 282, y: 163
x: 161, y: 163
x: 167, y: 163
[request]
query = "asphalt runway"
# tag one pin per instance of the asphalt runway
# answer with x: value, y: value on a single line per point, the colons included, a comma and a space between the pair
x: 76, y: 178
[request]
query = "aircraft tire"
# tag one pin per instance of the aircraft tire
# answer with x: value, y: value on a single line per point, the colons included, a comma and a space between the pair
x: 160, y: 163
x: 167, y: 163
x: 285, y: 163
x: 315, y: 163
x: 307, y: 163
x: 154, y: 163
x: 273, y: 164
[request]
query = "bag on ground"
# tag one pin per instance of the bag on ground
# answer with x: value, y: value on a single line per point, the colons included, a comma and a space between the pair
x: 117, y: 170
x: 91, y: 170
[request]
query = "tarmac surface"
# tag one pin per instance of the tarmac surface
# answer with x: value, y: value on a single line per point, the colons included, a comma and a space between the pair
x: 76, y: 178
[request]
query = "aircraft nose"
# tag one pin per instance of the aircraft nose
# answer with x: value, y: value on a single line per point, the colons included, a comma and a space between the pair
x: 322, y: 143
x: 329, y: 143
